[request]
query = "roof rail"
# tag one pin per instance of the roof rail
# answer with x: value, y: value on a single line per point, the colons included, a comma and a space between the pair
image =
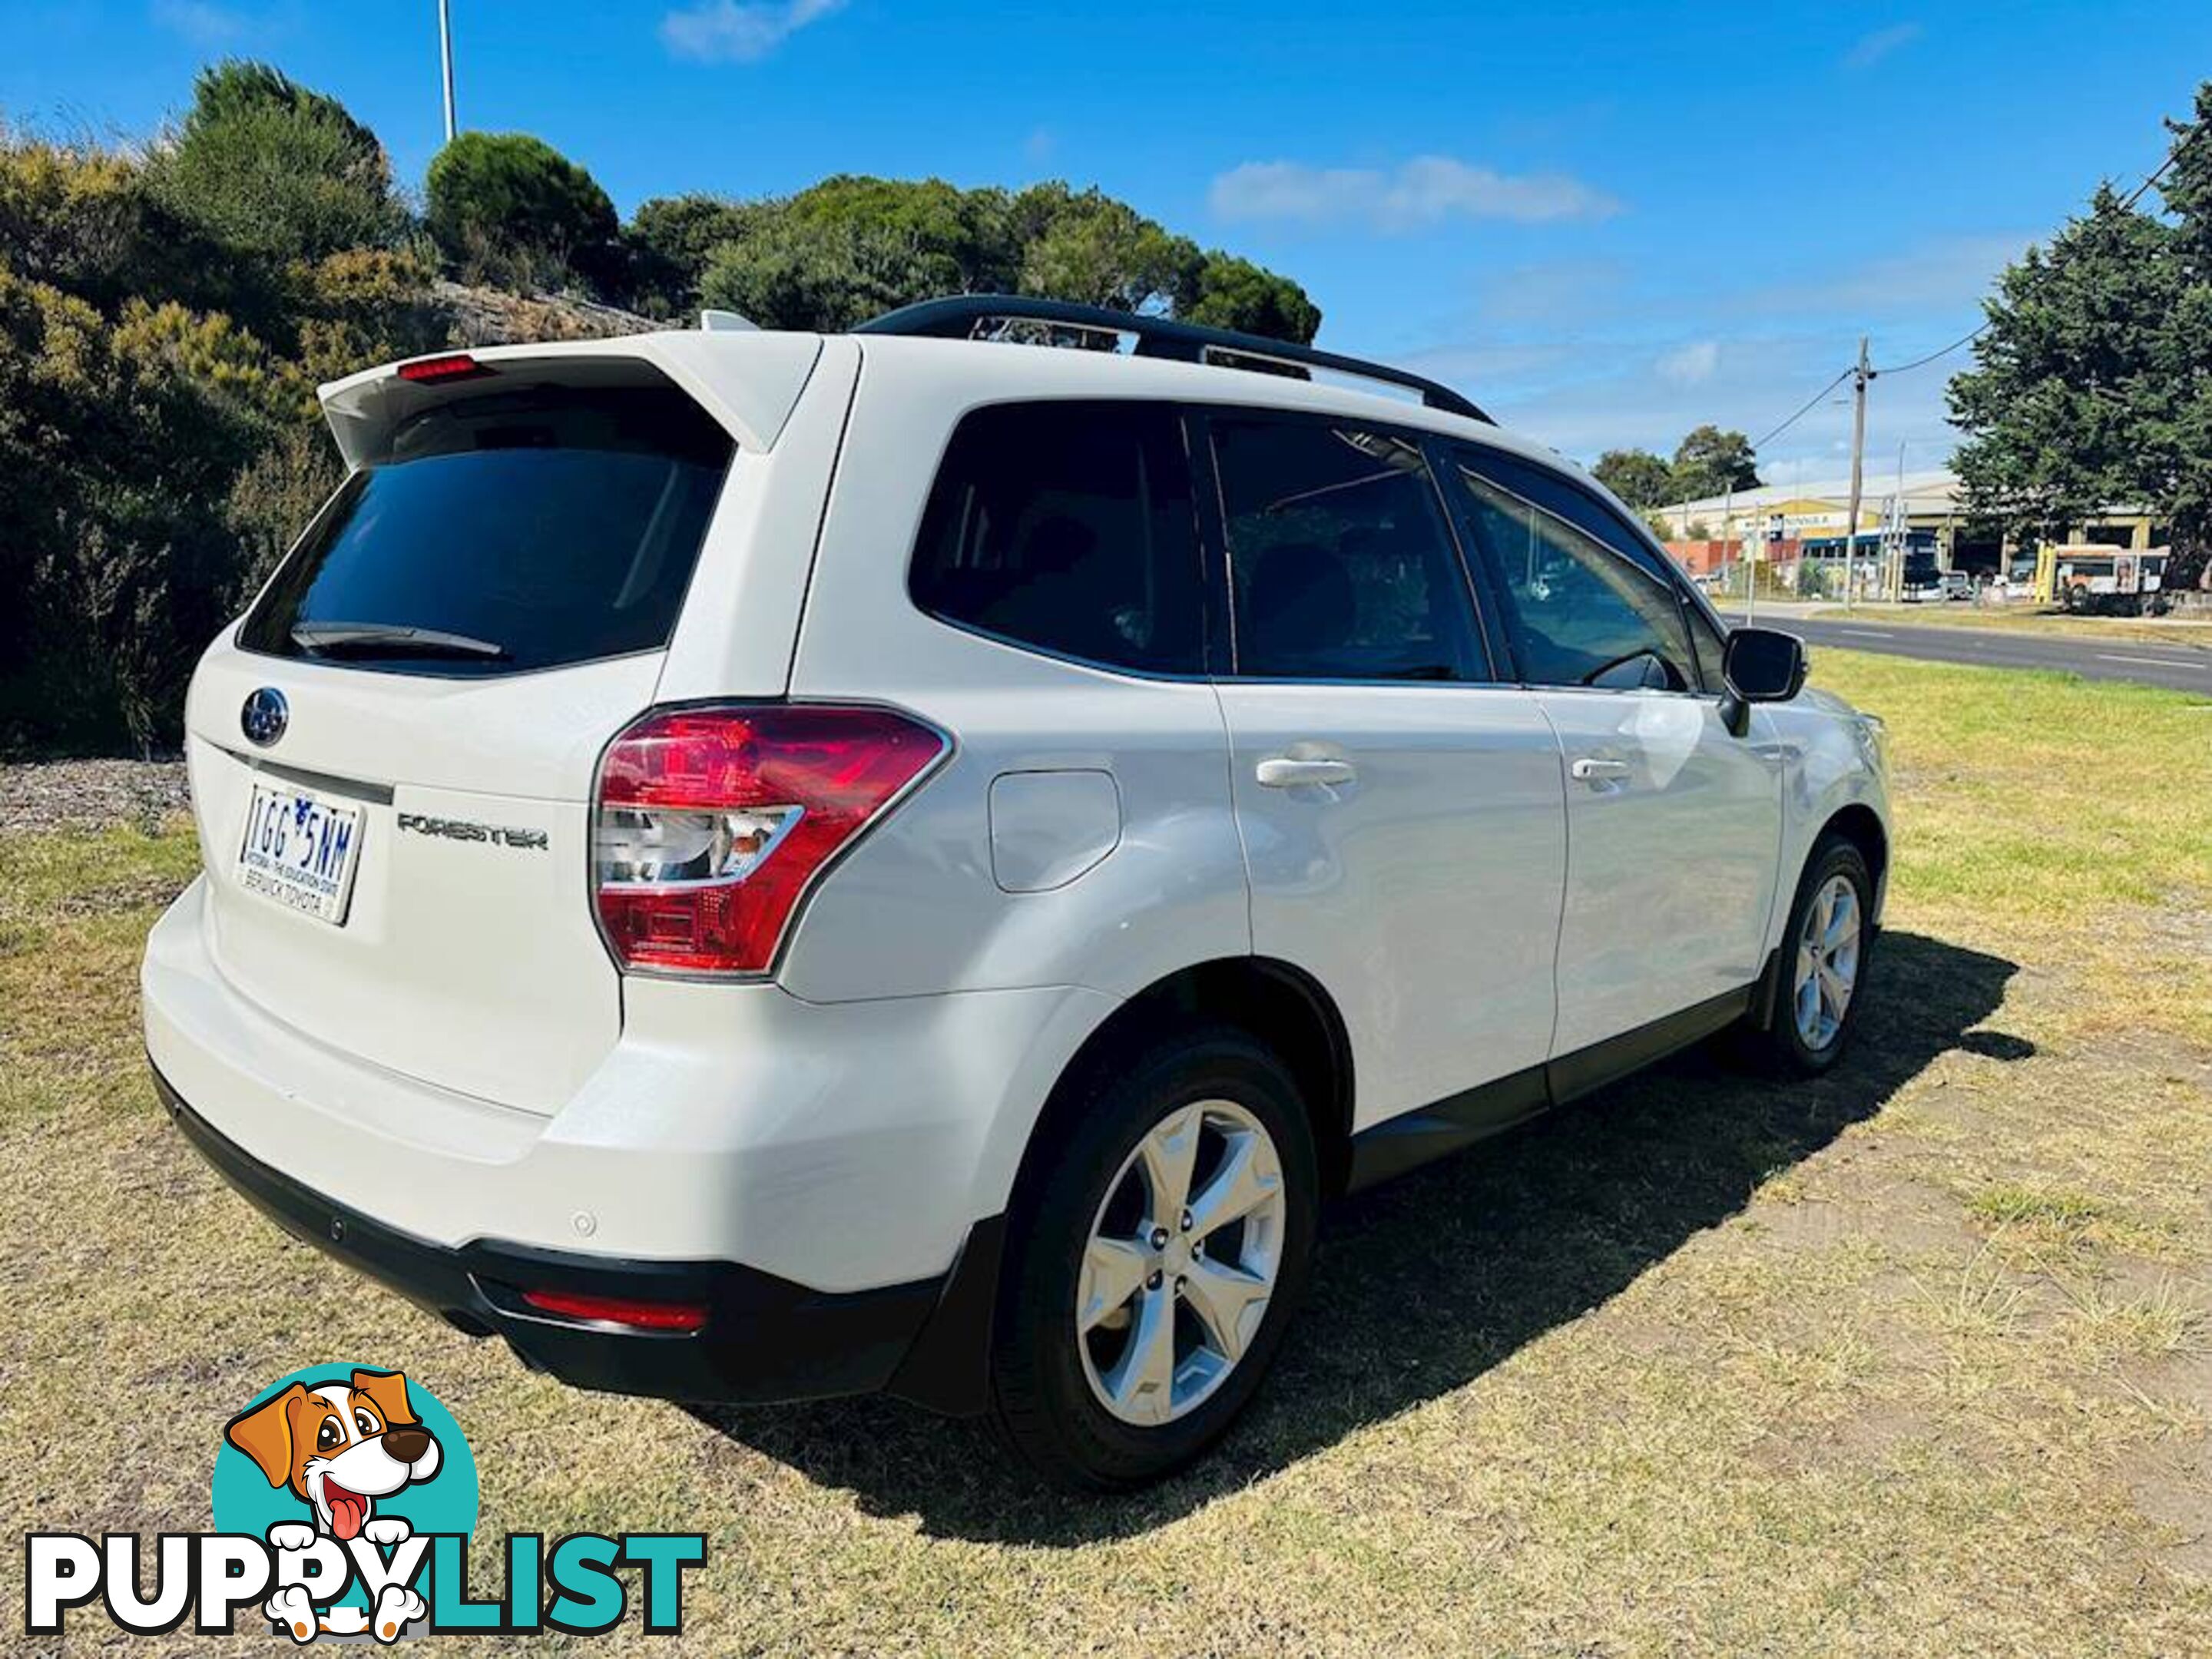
x: 970, y: 316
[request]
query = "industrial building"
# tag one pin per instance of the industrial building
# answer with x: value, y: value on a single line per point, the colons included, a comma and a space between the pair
x: 1805, y: 519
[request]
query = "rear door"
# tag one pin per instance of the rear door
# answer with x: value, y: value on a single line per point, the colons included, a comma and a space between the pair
x: 392, y: 756
x: 1401, y: 811
x: 1674, y: 824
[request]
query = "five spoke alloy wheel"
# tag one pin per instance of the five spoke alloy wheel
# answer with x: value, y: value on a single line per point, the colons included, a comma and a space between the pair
x: 1827, y: 967
x: 1156, y: 1256
x: 1181, y: 1262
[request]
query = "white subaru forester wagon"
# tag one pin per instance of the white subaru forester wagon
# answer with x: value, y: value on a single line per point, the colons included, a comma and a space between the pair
x: 758, y: 865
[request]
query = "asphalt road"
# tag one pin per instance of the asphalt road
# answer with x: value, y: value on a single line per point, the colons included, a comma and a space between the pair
x: 2181, y: 667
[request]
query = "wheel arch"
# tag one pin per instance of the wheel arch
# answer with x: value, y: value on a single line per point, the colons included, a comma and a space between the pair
x: 1860, y: 824
x: 1276, y: 1002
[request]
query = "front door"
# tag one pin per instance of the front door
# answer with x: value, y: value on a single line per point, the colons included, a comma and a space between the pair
x: 1400, y: 810
x: 1674, y: 824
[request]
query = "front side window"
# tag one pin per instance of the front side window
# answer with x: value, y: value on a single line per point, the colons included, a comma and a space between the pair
x: 1068, y: 527
x: 1579, y: 609
x: 1341, y: 566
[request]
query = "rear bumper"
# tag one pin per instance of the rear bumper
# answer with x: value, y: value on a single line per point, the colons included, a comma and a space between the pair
x: 827, y: 1179
x: 764, y: 1338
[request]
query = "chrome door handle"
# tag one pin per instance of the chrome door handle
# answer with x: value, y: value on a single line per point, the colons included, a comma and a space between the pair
x: 1284, y: 772
x: 1590, y: 770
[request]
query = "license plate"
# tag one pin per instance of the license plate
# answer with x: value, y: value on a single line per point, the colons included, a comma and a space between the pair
x: 299, y: 851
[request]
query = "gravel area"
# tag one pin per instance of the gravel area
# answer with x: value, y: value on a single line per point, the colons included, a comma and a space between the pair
x: 90, y: 795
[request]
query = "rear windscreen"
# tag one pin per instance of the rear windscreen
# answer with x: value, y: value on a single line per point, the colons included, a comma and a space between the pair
x: 507, y: 531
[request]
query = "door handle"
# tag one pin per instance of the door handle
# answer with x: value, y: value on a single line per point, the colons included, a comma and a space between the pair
x: 1286, y: 772
x: 1588, y: 770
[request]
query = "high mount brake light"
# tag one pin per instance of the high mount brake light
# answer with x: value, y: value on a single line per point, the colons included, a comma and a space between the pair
x: 451, y: 366
x: 711, y: 824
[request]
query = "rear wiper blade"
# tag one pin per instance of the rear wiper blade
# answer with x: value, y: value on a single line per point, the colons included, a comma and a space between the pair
x: 317, y: 638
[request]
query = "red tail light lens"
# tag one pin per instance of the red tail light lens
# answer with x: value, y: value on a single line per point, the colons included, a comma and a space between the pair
x: 449, y: 366
x: 620, y: 1310
x: 713, y: 822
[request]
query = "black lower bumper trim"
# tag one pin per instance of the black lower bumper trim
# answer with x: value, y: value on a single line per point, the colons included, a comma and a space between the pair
x: 765, y: 1338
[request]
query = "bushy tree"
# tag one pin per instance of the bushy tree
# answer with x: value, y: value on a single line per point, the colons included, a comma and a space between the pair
x: 2179, y: 479
x: 2071, y: 372
x: 1712, y: 462
x: 1096, y: 251
x: 815, y: 273
x: 1639, y: 477
x: 670, y: 239
x: 118, y: 445
x: 273, y: 171
x: 1234, y: 293
x: 2091, y: 381
x: 504, y: 207
x: 852, y: 248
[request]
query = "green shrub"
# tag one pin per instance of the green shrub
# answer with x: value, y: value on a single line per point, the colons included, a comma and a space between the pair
x: 274, y: 172
x: 504, y: 207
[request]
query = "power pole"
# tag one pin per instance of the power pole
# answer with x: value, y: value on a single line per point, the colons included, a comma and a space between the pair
x: 446, y: 54
x: 1860, y: 376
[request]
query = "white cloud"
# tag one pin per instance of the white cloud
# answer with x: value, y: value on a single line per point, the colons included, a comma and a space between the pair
x: 1423, y: 191
x: 199, y: 22
x: 738, y: 30
x: 1038, y: 146
x: 1692, y: 365
x: 1870, y: 49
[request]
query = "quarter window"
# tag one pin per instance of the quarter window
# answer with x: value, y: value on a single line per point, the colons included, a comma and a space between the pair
x: 1579, y: 609
x: 1068, y: 526
x: 1341, y: 566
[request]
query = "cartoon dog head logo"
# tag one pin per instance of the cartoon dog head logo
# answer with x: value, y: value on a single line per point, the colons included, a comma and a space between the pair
x: 339, y: 1447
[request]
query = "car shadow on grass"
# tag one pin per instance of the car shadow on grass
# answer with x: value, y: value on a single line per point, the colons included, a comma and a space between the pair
x: 1423, y: 1285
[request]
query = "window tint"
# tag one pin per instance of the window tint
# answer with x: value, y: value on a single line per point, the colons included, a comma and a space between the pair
x: 1341, y: 564
x: 1580, y: 610
x: 1068, y: 526
x: 511, y: 532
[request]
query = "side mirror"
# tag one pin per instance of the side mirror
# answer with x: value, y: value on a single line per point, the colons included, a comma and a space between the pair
x: 1759, y: 664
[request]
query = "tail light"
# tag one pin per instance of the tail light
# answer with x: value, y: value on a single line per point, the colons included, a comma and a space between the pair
x: 713, y: 822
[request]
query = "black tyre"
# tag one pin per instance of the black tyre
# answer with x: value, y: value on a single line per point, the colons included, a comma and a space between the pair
x: 1155, y: 1255
x: 1824, y: 961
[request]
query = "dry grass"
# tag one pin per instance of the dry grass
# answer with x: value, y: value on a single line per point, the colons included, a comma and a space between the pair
x: 1914, y: 1360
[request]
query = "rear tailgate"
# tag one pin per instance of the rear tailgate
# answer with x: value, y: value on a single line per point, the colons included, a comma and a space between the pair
x: 403, y: 869
x: 465, y: 953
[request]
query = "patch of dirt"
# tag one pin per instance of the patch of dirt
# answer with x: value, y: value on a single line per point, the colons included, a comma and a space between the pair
x: 47, y: 796
x: 2171, y: 1484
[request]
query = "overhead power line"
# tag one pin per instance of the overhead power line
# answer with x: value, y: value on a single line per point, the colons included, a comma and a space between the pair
x: 1967, y: 338
x: 1810, y: 402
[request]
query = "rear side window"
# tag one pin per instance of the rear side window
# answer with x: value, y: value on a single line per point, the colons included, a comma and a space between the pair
x: 509, y: 532
x: 1340, y: 563
x: 1068, y: 527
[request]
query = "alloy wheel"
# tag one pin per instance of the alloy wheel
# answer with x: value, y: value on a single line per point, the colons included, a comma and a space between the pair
x: 1828, y: 963
x: 1181, y: 1262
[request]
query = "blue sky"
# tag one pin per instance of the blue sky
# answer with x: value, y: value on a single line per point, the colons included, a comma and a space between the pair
x: 1606, y: 222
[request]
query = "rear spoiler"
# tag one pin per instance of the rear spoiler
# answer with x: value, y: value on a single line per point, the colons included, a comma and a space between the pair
x: 748, y: 382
